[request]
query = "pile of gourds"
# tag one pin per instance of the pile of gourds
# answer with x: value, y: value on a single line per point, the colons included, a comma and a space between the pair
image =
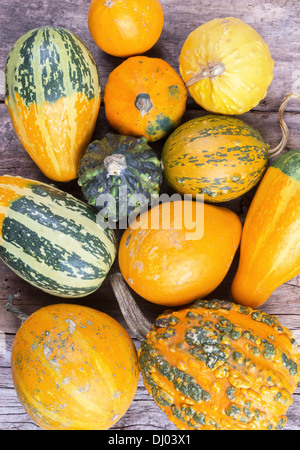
x: 214, y: 364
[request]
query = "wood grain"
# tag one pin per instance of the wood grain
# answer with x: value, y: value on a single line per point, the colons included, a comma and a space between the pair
x: 278, y: 22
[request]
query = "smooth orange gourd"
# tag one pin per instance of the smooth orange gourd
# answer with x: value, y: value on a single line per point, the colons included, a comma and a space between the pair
x: 125, y: 27
x: 74, y: 368
x: 270, y: 245
x: 179, y: 251
x: 144, y: 97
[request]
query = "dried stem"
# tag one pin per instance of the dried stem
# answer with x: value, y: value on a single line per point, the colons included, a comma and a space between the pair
x: 275, y: 152
x: 212, y: 71
x: 133, y: 316
x: 9, y: 306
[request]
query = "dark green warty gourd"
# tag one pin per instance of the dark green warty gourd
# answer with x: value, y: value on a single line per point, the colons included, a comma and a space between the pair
x: 119, y: 165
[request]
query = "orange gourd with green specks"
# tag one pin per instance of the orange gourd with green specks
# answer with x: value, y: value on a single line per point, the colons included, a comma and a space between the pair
x: 215, y: 365
x: 74, y: 368
x: 144, y: 97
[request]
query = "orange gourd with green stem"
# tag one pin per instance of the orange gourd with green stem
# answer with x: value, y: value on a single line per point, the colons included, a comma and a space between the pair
x: 270, y: 244
x: 144, y: 97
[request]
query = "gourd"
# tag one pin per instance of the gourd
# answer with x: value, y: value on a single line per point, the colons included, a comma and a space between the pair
x: 73, y: 368
x: 219, y: 157
x: 52, y: 240
x: 125, y: 27
x: 226, y: 65
x: 215, y: 365
x: 270, y: 245
x: 144, y: 97
x: 53, y: 98
x: 123, y: 171
x: 179, y: 251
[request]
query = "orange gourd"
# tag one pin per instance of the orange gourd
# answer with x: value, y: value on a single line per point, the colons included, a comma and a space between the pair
x: 179, y: 251
x: 74, y: 368
x: 125, y: 27
x: 144, y: 97
x: 270, y: 245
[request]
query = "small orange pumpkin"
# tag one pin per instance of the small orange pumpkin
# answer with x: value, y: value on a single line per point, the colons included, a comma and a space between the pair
x: 74, y: 368
x: 144, y: 97
x: 171, y: 257
x: 125, y: 27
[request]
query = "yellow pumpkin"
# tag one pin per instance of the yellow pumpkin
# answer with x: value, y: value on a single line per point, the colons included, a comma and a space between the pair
x: 226, y: 65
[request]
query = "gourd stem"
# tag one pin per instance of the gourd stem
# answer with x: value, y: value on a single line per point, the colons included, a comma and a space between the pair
x: 275, y: 152
x: 212, y: 71
x: 115, y: 164
x: 133, y: 316
x: 9, y: 306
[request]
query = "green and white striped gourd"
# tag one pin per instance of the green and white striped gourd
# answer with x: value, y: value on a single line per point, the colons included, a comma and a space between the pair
x: 53, y: 240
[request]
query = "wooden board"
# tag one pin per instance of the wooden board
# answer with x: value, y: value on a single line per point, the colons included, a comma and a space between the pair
x: 278, y: 22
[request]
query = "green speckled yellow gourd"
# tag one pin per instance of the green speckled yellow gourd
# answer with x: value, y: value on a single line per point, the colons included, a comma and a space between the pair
x: 221, y: 157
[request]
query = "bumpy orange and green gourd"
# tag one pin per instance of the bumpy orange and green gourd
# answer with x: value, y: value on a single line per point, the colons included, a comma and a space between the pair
x: 52, y: 240
x: 53, y: 98
x: 270, y: 245
x: 217, y: 365
x: 144, y: 97
x: 74, y: 368
x: 220, y: 157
